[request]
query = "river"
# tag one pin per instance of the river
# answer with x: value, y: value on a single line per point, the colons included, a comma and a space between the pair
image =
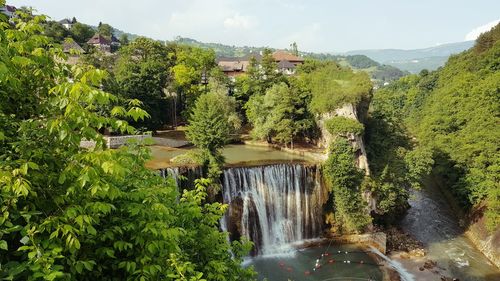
x: 432, y: 221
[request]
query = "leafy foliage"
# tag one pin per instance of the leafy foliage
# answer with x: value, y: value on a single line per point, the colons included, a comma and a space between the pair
x: 345, y: 181
x: 142, y: 73
x: 333, y: 86
x: 395, y: 165
x: 211, y: 123
x: 56, y: 30
x: 281, y: 114
x: 189, y: 64
x: 105, y: 29
x: 75, y: 214
x: 340, y: 125
x: 81, y: 32
x: 453, y: 112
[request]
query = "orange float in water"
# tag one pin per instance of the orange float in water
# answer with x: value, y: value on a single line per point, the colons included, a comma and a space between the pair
x: 331, y: 261
x: 282, y: 264
x: 289, y: 269
x: 307, y: 272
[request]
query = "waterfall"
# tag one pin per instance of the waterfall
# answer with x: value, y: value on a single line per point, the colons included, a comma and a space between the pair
x: 273, y: 205
x: 184, y: 177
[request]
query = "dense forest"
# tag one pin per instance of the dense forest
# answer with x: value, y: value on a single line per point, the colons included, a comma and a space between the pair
x: 453, y: 115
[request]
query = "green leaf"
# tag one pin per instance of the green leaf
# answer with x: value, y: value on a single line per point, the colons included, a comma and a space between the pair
x: 21, y: 61
x: 54, y: 275
x: 25, y: 240
x: 91, y: 230
x: 3, y: 245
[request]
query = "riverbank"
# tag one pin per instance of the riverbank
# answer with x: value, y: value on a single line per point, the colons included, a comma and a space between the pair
x: 474, y: 224
x: 448, y: 253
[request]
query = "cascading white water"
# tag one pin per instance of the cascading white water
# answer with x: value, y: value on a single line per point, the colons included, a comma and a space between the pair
x: 184, y: 177
x: 273, y: 205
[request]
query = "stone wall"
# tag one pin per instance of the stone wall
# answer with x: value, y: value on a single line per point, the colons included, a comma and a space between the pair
x: 486, y: 242
x: 117, y: 141
x: 377, y: 240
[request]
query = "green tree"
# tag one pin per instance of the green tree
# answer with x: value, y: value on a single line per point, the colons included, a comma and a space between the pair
x: 344, y: 178
x: 332, y: 86
x: 281, y: 114
x: 190, y: 62
x: 248, y: 84
x: 124, y: 39
x: 81, y: 33
x: 142, y: 72
x: 105, y: 29
x: 343, y: 126
x: 90, y: 214
x: 56, y: 31
x: 212, y: 121
x: 269, y: 71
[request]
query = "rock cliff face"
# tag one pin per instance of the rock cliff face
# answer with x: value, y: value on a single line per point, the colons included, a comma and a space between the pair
x: 359, y: 113
x: 486, y: 242
x: 348, y: 111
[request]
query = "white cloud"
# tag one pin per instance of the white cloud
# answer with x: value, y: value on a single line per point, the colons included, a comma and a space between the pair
x: 473, y: 34
x: 238, y: 21
x: 308, y: 37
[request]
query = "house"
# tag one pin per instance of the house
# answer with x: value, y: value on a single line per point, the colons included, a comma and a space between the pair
x: 73, y: 50
x: 286, y: 67
x: 8, y: 10
x: 100, y: 42
x: 71, y: 47
x: 287, y: 62
x: 286, y: 56
x: 67, y: 23
x: 233, y: 67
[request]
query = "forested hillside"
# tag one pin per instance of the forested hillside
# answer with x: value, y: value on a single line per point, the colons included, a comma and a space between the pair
x: 455, y: 113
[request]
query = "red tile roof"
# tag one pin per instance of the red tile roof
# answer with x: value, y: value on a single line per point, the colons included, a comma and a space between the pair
x: 284, y: 55
x: 98, y: 39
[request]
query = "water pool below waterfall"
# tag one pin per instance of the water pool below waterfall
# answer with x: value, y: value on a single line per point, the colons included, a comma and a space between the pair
x: 335, y: 264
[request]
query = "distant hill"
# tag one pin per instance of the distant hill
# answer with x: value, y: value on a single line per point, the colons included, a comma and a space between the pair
x: 220, y: 50
x: 415, y: 60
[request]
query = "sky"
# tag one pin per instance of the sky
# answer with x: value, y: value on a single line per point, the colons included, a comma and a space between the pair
x: 315, y: 25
